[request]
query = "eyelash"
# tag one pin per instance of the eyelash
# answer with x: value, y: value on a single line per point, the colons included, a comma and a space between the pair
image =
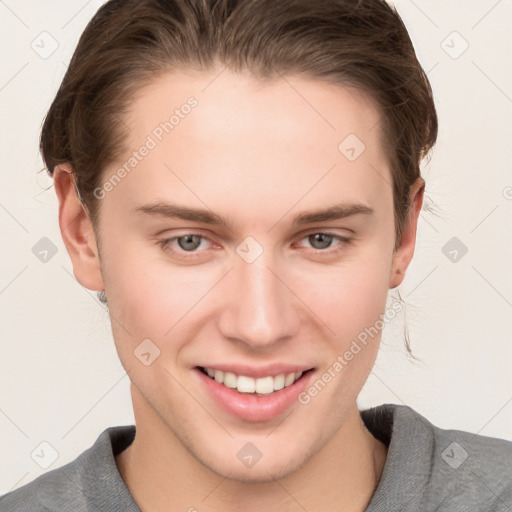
x: 190, y: 254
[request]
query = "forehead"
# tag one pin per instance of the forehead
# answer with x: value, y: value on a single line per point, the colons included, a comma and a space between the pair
x: 287, y: 139
x: 241, y: 105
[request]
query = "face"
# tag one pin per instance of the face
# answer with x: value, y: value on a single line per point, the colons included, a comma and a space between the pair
x: 250, y: 282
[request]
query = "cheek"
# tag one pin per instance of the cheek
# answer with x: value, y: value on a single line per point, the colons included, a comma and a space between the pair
x: 349, y: 297
x: 150, y: 297
x: 354, y: 310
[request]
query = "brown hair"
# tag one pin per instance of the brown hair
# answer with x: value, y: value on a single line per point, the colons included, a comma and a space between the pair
x: 357, y: 43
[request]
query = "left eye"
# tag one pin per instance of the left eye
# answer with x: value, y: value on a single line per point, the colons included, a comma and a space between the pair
x: 190, y: 242
x: 325, y: 240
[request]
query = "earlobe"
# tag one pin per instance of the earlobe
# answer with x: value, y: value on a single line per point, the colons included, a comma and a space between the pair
x: 404, y: 253
x: 77, y: 230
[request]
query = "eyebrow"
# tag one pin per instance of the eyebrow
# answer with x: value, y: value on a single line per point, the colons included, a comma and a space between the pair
x: 168, y: 210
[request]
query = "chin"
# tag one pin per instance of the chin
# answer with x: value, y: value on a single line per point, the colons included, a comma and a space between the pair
x: 265, y: 469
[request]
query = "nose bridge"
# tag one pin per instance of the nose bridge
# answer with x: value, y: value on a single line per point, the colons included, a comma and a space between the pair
x: 258, y: 310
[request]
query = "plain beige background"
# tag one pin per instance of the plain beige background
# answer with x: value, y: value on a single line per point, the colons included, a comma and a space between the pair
x: 61, y: 383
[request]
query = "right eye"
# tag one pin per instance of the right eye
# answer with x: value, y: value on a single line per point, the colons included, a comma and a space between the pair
x: 187, y: 243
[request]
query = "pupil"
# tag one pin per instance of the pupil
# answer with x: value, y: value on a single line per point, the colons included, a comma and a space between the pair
x: 324, y: 240
x: 189, y: 239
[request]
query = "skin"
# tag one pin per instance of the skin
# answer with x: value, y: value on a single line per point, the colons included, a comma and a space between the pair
x: 257, y: 153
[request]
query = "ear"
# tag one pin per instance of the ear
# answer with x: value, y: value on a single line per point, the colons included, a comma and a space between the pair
x: 404, y: 253
x: 76, y: 230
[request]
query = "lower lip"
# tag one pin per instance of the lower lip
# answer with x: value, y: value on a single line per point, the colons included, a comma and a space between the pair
x: 253, y: 407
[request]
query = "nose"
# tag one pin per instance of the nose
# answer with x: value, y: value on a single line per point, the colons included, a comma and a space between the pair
x: 259, y: 309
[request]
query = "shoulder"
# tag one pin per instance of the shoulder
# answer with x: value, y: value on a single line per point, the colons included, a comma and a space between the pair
x: 441, y: 469
x: 472, y: 468
x: 58, y: 489
x: 85, y: 484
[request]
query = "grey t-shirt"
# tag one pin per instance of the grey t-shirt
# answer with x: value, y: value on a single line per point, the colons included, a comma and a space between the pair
x: 427, y: 469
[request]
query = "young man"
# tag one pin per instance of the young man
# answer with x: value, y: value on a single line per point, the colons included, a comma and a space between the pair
x: 245, y: 214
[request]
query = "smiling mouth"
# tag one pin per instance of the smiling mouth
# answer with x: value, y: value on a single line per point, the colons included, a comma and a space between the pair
x: 262, y: 386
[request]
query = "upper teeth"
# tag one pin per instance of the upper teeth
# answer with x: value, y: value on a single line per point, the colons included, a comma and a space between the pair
x: 244, y: 384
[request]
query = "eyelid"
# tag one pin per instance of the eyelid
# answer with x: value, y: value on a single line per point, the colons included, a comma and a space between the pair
x: 167, y: 241
x: 325, y: 231
x: 342, y: 240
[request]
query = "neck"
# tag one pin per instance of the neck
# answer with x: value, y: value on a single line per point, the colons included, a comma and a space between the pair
x: 160, y: 472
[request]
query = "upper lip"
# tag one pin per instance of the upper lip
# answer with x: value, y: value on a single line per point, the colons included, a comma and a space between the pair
x: 271, y: 370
